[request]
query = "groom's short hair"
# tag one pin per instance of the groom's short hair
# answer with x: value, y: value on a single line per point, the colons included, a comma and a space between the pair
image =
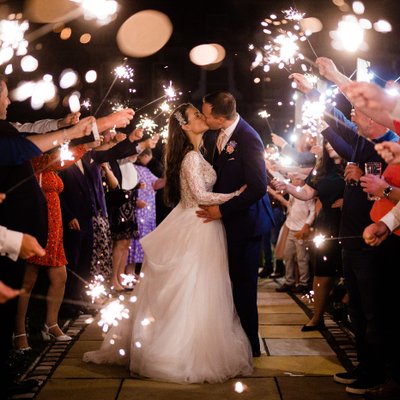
x: 222, y: 104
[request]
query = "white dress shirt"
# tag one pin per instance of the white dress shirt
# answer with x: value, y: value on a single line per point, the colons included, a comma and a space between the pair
x: 10, y: 243
x: 300, y: 213
x: 392, y: 218
x: 229, y: 130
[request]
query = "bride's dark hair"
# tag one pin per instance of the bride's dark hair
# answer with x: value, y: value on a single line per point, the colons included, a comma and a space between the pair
x: 177, y: 147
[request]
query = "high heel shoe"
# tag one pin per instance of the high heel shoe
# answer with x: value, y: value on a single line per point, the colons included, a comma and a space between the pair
x: 21, y: 350
x: 310, y: 328
x: 47, y: 335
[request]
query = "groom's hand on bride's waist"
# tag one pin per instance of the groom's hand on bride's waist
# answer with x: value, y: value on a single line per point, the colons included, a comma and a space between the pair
x: 209, y: 213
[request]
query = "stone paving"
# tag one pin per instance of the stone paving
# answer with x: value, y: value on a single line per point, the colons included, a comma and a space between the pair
x: 294, y: 365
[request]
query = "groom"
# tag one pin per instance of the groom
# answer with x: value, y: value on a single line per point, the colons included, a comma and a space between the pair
x: 237, y: 154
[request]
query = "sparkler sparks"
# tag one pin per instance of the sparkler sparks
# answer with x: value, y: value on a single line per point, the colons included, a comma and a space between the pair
x: 170, y: 92
x: 318, y: 240
x: 65, y: 153
x: 111, y: 314
x: 124, y: 72
x: 12, y: 39
x: 103, y: 11
x: 147, y: 123
x: 293, y: 15
x: 96, y: 289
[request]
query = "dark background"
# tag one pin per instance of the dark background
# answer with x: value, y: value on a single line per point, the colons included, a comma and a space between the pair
x: 232, y: 23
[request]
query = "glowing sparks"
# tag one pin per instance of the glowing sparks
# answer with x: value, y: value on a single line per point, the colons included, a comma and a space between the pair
x: 349, y: 35
x: 282, y: 44
x: 147, y: 123
x: 165, y: 107
x: 319, y: 240
x: 103, y: 11
x: 128, y: 281
x: 293, y: 15
x: 96, y: 289
x: 86, y: 104
x: 124, y: 72
x: 239, y: 387
x: 65, y: 153
x: 170, y: 91
x: 12, y: 39
x: 264, y: 114
x: 112, y: 314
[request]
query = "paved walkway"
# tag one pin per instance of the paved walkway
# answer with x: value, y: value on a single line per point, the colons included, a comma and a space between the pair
x: 295, y: 365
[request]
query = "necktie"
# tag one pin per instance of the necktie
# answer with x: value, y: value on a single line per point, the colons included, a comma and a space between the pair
x: 221, y: 140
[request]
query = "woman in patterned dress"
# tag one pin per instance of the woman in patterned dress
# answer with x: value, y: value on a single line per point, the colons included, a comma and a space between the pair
x: 146, y: 216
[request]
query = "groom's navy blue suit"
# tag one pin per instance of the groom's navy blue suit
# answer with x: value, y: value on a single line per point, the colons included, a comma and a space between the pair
x: 246, y: 217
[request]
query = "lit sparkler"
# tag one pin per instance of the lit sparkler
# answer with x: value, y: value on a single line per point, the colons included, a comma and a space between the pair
x: 103, y: 11
x: 147, y: 123
x: 96, y: 289
x: 129, y: 280
x: 86, y: 104
x: 12, y: 39
x: 293, y: 15
x: 65, y: 153
x: 111, y: 314
x: 124, y: 72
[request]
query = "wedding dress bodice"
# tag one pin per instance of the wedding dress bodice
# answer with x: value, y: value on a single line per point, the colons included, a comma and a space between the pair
x: 197, y: 180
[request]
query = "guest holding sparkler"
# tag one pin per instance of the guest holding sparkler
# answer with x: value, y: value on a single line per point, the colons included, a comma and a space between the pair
x: 325, y: 182
x: 360, y: 263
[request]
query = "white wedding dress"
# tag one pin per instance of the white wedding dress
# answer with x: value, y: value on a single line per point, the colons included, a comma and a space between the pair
x: 183, y: 327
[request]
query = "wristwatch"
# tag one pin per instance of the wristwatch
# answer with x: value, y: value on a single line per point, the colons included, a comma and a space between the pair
x: 387, y: 191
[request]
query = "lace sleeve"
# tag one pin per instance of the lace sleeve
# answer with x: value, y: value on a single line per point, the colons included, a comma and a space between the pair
x: 192, y: 172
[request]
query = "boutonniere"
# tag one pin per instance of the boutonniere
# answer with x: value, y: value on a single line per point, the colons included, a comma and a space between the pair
x: 231, y: 146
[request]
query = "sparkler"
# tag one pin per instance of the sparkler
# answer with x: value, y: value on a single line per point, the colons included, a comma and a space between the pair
x: 65, y: 153
x: 12, y: 39
x: 103, y: 11
x: 283, y: 39
x: 320, y: 239
x: 265, y: 115
x: 147, y: 123
x: 96, y: 289
x: 111, y: 314
x: 129, y: 281
x: 170, y: 93
x: 121, y: 72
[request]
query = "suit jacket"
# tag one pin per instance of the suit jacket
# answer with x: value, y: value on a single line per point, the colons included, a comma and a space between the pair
x: 242, y: 162
x: 25, y: 208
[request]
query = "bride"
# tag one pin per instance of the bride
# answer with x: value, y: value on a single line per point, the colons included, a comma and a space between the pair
x: 183, y: 327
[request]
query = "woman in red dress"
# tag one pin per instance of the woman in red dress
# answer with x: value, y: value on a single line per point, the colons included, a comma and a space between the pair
x: 54, y: 261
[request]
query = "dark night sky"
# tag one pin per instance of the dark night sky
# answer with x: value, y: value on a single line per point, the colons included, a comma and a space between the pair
x: 231, y: 23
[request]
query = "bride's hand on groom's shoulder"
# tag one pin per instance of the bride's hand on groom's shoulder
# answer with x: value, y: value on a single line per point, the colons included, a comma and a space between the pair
x: 209, y: 213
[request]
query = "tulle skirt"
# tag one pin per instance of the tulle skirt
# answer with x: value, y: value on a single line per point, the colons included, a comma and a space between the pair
x: 183, y: 327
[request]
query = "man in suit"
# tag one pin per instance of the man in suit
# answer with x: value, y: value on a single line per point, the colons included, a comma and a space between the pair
x: 237, y: 154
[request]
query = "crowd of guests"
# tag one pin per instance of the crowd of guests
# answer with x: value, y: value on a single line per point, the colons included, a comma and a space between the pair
x: 75, y: 219
x: 83, y: 218
x: 356, y: 211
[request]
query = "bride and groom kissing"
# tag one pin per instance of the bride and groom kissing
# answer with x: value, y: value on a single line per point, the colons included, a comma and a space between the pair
x: 198, y: 295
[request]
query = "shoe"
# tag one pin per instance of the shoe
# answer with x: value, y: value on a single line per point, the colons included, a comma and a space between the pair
x: 22, y: 387
x: 256, y: 353
x: 363, y: 384
x: 47, y: 335
x: 21, y: 350
x: 265, y: 272
x: 346, y: 378
x: 284, y: 288
x: 390, y: 390
x: 311, y: 328
x: 302, y: 289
